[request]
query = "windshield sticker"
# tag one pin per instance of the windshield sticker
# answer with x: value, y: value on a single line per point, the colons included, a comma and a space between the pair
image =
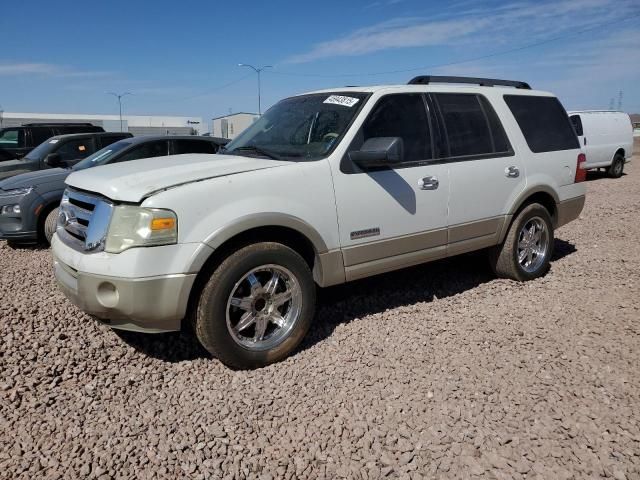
x: 342, y: 100
x: 55, y: 140
x: 82, y: 148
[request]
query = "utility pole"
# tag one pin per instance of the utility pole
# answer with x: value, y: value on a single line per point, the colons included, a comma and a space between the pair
x: 620, y: 100
x: 119, y: 97
x: 257, y: 70
x: 1, y: 116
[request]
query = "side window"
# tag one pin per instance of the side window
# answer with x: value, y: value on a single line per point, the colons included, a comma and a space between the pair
x: 12, y: 138
x: 399, y: 115
x: 40, y: 135
x: 544, y: 123
x: 106, y: 140
x: 147, y: 150
x: 75, y: 149
x: 471, y: 125
x: 576, y: 121
x: 193, y: 146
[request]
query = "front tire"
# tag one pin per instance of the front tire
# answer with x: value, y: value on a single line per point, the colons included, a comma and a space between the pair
x: 257, y: 306
x: 616, y: 168
x: 528, y: 246
x: 49, y: 226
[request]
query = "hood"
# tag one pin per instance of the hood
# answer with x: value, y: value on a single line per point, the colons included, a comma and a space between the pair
x: 14, y: 167
x: 133, y: 181
x: 33, y: 179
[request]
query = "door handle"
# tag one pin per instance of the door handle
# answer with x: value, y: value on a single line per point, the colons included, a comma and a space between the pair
x: 585, y: 140
x: 512, y: 172
x: 428, y: 183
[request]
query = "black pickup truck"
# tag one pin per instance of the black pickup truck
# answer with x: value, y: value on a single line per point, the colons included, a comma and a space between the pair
x: 16, y: 142
x: 60, y: 151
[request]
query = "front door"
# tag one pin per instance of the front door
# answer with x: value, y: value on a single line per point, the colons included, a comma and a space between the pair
x: 392, y: 217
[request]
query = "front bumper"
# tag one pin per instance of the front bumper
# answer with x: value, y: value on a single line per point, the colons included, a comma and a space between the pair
x: 150, y: 304
x: 22, y: 227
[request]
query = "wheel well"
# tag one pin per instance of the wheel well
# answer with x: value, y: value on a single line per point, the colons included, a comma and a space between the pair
x: 620, y: 151
x: 284, y: 235
x: 544, y: 199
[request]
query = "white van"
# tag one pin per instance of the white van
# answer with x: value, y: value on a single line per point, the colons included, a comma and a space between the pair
x: 606, y: 137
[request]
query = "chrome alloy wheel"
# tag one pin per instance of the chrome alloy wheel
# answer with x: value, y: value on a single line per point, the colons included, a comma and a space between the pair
x: 263, y: 307
x: 533, y: 244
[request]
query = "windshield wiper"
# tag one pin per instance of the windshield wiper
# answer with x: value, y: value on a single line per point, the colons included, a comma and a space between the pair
x: 256, y: 149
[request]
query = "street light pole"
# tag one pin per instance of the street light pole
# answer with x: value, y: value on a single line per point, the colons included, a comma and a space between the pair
x: 257, y: 70
x: 119, y: 97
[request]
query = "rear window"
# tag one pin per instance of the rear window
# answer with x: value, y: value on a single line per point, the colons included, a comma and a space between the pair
x: 544, y: 123
x: 472, y: 126
x: 576, y: 121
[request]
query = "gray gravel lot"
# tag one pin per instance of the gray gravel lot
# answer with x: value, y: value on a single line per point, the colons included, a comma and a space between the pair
x: 436, y: 372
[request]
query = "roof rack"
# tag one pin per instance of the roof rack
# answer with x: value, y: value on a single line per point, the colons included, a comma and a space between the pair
x: 46, y: 124
x: 483, y: 82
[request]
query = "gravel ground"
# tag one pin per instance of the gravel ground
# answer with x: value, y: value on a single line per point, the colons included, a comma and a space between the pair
x: 436, y: 372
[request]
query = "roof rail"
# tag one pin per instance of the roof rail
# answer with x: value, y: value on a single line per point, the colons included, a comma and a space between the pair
x: 483, y: 82
x: 46, y: 124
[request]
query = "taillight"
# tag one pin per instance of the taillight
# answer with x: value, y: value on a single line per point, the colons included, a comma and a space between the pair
x: 581, y: 172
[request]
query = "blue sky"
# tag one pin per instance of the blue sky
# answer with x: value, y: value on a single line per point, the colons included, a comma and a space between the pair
x: 181, y: 57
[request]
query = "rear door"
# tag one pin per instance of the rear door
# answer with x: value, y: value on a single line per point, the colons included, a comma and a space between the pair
x: 551, y: 146
x: 485, y: 175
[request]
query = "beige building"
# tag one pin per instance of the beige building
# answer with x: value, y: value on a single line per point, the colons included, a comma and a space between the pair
x: 230, y: 126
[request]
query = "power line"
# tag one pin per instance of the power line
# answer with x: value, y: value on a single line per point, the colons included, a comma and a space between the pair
x: 482, y: 57
x: 215, y: 89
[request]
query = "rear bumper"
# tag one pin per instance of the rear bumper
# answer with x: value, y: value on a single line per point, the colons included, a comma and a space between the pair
x: 569, y: 210
x: 150, y: 304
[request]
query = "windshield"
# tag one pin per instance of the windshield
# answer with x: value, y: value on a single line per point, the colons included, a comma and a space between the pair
x: 42, y: 150
x: 300, y: 128
x: 102, y: 156
x: 9, y: 138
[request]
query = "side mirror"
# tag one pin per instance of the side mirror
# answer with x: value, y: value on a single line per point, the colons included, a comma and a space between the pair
x: 53, y: 160
x: 379, y: 152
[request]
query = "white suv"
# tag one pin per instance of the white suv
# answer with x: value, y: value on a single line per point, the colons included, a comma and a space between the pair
x: 324, y: 188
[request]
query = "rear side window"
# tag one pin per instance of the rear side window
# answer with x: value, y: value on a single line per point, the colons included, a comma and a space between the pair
x: 193, y: 146
x: 105, y: 140
x: 158, y: 148
x: 471, y: 125
x: 40, y: 135
x: 576, y: 121
x: 544, y: 123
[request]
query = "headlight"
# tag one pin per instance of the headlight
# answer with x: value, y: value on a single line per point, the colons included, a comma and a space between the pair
x: 16, y: 192
x: 10, y: 210
x: 133, y: 226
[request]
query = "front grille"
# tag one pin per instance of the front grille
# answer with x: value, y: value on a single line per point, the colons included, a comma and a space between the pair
x: 84, y: 220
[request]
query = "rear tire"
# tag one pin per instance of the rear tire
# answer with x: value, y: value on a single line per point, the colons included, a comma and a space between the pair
x: 49, y: 226
x: 616, y: 168
x: 528, y: 246
x: 257, y: 306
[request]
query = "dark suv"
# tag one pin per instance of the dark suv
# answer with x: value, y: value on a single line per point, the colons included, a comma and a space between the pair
x: 60, y: 151
x: 16, y: 142
x: 28, y: 202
